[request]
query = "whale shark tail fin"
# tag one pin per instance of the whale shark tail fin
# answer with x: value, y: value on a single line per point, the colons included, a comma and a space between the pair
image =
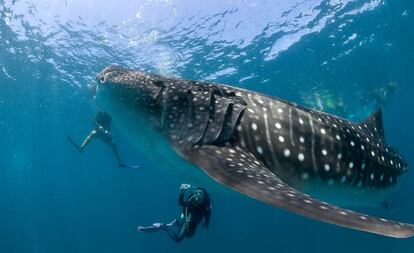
x: 251, y: 177
x: 373, y: 125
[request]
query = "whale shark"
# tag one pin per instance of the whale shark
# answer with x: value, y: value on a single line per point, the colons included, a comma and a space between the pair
x: 277, y: 152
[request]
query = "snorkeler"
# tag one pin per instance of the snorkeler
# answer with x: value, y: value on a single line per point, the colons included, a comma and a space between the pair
x: 196, y: 206
x: 378, y: 96
x: 102, y: 130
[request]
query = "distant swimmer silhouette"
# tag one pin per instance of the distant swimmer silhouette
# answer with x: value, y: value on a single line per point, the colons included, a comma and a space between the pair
x: 378, y: 96
x: 196, y: 206
x: 102, y: 130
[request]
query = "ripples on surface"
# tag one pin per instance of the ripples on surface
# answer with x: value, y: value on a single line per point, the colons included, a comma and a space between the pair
x: 279, y: 47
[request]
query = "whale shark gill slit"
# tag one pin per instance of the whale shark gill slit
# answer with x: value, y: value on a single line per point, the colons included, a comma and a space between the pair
x: 220, y: 107
x: 200, y: 115
x: 254, y: 179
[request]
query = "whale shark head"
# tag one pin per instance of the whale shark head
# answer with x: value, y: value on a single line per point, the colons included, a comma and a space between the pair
x: 167, y: 104
x: 146, y: 108
x: 132, y: 98
x: 131, y: 88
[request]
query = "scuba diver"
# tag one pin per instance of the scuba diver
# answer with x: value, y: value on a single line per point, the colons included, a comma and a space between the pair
x: 102, y: 130
x: 378, y: 96
x: 196, y: 206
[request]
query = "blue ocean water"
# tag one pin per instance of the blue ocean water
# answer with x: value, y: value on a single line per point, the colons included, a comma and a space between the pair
x: 341, y: 56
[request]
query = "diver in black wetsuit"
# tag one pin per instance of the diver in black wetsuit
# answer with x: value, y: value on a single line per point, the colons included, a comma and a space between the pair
x: 102, y: 130
x: 196, y: 206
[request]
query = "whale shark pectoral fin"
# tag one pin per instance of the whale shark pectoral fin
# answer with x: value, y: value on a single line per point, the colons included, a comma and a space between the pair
x: 242, y: 172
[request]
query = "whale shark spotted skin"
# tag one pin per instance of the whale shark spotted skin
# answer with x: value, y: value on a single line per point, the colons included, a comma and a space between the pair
x: 271, y: 150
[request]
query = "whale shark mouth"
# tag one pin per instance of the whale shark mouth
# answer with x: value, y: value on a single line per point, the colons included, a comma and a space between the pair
x: 259, y: 146
x: 113, y: 74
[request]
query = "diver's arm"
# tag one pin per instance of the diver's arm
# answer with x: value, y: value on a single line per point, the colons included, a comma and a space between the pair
x: 183, y: 189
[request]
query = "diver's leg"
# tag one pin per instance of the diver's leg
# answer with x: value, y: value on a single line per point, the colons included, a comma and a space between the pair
x: 114, y: 148
x: 108, y: 140
x: 179, y: 235
x: 177, y: 229
x: 88, y: 139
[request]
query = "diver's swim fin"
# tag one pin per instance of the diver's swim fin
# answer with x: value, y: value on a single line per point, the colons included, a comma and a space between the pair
x: 74, y: 144
x: 129, y: 166
x: 155, y: 227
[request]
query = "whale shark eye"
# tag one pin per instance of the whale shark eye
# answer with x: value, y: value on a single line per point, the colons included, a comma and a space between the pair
x: 102, y: 79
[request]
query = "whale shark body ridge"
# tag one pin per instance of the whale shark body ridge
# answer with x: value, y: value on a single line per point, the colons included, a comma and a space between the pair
x: 269, y: 149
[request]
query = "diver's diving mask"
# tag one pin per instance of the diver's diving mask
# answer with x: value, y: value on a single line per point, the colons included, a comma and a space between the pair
x: 198, y: 196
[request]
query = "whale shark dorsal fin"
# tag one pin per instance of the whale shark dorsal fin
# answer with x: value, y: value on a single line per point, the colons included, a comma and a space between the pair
x: 373, y: 124
x: 242, y: 172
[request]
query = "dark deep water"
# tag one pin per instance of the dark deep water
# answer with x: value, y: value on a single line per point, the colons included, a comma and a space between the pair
x: 341, y: 56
